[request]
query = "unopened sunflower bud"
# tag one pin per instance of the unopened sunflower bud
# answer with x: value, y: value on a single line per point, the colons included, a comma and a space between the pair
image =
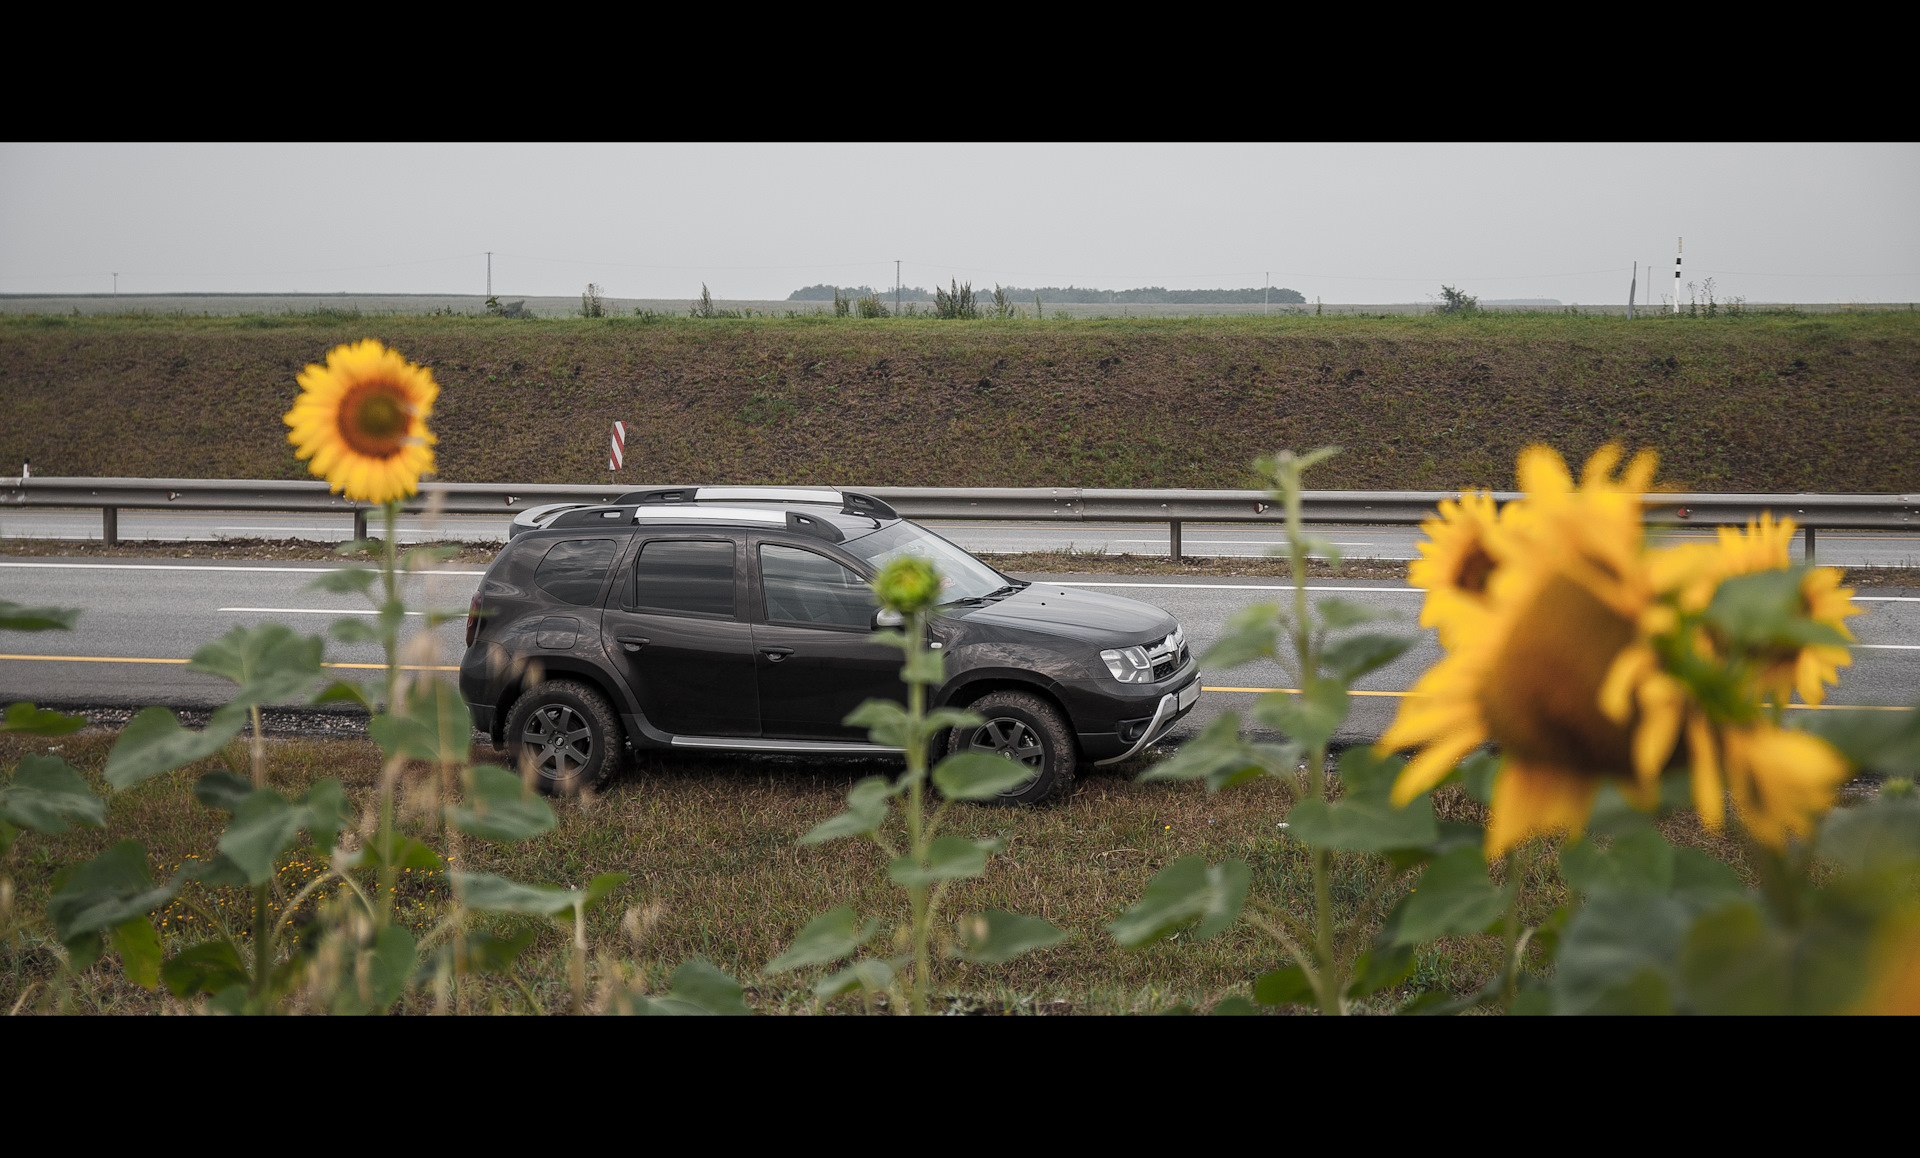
x: 907, y: 585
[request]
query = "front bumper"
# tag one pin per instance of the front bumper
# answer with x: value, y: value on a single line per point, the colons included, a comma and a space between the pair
x: 1172, y: 706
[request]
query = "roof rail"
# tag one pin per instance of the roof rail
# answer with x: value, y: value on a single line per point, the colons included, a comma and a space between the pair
x: 848, y: 502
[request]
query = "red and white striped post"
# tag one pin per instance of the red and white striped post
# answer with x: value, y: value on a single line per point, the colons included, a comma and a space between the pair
x: 616, y: 449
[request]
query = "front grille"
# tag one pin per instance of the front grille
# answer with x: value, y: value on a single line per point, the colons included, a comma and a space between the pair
x: 1168, y: 666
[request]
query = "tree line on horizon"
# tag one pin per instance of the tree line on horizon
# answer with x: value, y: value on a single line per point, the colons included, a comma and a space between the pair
x: 1076, y: 295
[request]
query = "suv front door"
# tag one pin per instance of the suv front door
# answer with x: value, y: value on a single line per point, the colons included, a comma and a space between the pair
x: 679, y: 632
x: 815, y: 659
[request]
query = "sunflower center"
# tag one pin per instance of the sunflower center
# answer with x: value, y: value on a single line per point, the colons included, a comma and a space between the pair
x: 1475, y: 566
x: 1541, y: 698
x: 374, y: 419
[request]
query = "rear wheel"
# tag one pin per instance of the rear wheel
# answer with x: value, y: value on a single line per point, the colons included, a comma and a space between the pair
x: 568, y: 732
x: 1022, y: 727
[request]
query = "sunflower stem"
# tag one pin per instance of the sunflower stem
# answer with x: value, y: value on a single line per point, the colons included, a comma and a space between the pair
x: 390, y: 637
x: 1510, y: 931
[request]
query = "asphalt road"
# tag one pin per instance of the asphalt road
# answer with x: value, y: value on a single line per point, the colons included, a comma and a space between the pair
x: 143, y: 617
x: 1840, y: 548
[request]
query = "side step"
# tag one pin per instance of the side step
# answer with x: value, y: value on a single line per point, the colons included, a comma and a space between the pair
x: 816, y: 747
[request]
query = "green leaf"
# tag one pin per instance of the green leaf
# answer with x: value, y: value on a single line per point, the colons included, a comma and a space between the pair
x: 1188, y: 891
x: 47, y: 793
x: 358, y: 547
x: 217, y: 872
x: 942, y: 718
x: 1766, y: 610
x: 1223, y: 758
x: 271, y: 663
x: 435, y: 725
x: 1310, y: 718
x: 1337, y: 614
x: 111, y: 889
x: 886, y: 722
x: 1287, y: 986
x: 993, y: 937
x: 19, y: 617
x: 27, y: 720
x: 207, y: 967
x: 978, y: 776
x: 601, y: 887
x: 500, y: 807
x: 1883, y: 836
x: 1365, y: 774
x: 138, y: 944
x: 342, y: 692
x: 1363, y: 824
x: 490, y: 893
x: 699, y: 988
x: 1733, y: 963
x: 390, y: 964
x: 828, y: 937
x: 1381, y: 967
x: 1619, y: 954
x: 264, y: 825
x: 1883, y: 742
x: 927, y: 667
x: 354, y: 629
x: 1639, y: 862
x: 154, y: 742
x: 496, y: 952
x: 1350, y: 658
x: 948, y: 858
x: 222, y: 790
x: 1453, y: 897
x: 1250, y: 633
x: 869, y: 973
x: 1233, y: 1006
x: 423, y: 558
x: 345, y: 580
x: 326, y: 805
x: 1477, y: 773
x: 867, y: 805
x: 8, y: 834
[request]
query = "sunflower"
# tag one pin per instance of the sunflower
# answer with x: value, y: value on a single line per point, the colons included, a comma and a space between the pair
x: 1781, y: 780
x: 1566, y: 598
x: 362, y: 419
x: 1457, y: 561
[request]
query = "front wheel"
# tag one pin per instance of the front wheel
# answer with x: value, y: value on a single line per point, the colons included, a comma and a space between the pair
x: 1023, y: 727
x: 568, y: 732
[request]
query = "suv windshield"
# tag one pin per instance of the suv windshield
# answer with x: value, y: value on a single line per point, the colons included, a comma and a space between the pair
x: 961, y: 575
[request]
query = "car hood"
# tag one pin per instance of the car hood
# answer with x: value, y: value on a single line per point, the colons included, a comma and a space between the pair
x: 1074, y: 613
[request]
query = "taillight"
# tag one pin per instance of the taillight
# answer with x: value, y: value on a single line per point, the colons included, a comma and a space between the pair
x: 473, y: 618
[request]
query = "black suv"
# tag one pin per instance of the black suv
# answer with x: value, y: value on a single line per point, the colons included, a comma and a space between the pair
x: 738, y: 618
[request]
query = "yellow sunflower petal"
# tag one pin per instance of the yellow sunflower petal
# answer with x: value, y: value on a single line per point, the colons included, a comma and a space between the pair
x: 1530, y: 801
x: 1663, y: 701
x: 1431, y: 766
x: 1709, y: 788
x: 1781, y: 780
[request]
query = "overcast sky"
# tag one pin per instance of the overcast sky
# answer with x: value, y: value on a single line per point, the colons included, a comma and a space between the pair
x: 1348, y: 223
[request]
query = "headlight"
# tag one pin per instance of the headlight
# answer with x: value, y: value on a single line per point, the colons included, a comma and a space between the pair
x: 1129, y: 665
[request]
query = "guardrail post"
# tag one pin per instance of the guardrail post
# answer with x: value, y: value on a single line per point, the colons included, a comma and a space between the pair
x: 1173, y: 539
x: 110, y: 526
x: 359, y: 523
x: 1809, y: 551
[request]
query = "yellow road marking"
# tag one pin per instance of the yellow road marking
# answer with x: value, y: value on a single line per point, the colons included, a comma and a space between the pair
x: 143, y: 659
x: 1790, y: 707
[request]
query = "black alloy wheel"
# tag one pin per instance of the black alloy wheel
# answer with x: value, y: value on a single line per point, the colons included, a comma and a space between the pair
x: 568, y: 733
x: 1025, y: 728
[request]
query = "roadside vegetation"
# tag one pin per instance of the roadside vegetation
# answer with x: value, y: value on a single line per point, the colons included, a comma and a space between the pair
x: 1759, y: 402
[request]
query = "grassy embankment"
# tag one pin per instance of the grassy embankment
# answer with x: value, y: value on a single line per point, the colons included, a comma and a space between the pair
x: 1756, y: 403
x: 718, y: 873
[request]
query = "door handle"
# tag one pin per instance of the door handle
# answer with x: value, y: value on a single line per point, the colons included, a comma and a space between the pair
x: 776, y: 654
x: 633, y: 643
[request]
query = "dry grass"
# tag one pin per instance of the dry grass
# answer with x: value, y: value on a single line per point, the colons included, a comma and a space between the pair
x: 1773, y: 403
x: 712, y: 842
x: 239, y: 549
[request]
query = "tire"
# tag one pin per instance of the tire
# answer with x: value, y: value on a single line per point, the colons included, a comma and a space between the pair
x: 1021, y: 721
x: 570, y: 733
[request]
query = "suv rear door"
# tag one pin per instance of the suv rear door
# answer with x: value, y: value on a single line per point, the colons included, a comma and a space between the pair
x: 678, y: 630
x: 815, y: 659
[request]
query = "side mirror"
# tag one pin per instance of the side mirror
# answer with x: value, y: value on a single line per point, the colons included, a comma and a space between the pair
x: 885, y: 618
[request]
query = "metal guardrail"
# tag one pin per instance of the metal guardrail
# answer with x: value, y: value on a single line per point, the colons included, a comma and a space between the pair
x: 1814, y: 512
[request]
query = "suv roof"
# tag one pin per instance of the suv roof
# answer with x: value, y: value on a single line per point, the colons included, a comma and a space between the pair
x: 824, y: 513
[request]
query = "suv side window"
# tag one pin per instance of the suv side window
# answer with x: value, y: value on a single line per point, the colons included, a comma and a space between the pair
x: 812, y: 590
x: 684, y: 577
x: 573, y: 570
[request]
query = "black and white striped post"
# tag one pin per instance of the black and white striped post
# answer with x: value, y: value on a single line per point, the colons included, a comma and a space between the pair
x: 1678, y: 248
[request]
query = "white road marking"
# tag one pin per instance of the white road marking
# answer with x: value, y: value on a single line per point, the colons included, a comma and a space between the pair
x: 184, y: 567
x: 1891, y: 646
x: 1238, y: 587
x: 309, y: 611
x: 1886, y: 599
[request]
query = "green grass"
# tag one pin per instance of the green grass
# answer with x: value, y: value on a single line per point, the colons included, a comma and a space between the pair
x: 1764, y: 402
x: 718, y: 873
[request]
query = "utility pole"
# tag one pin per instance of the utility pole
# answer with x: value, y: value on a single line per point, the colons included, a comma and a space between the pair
x: 489, y: 273
x: 116, y: 284
x: 896, y: 288
x: 1631, y: 287
x: 1266, y: 293
x: 1679, y: 247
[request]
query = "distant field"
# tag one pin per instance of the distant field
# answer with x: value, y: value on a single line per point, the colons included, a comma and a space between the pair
x: 1768, y: 402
